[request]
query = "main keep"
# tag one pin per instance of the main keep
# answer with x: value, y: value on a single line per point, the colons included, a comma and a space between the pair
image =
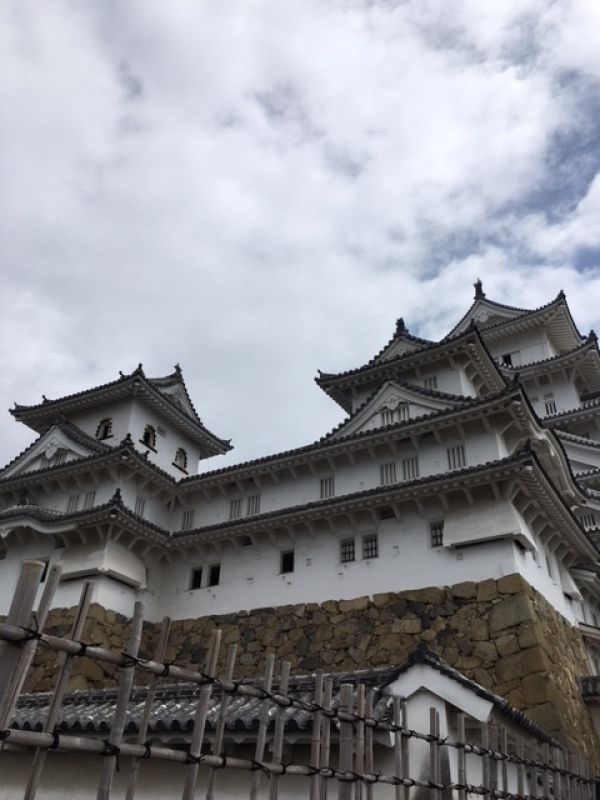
x: 456, y: 505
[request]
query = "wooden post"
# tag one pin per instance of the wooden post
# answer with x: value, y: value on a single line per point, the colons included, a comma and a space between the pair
x: 109, y: 762
x: 359, y: 754
x: 220, y: 728
x: 143, y: 731
x: 398, y: 766
x: 66, y: 664
x: 19, y: 614
x: 434, y: 751
x: 520, y: 767
x: 461, y: 758
x: 346, y: 740
x: 284, y: 679
x: 485, y: 760
x: 504, y: 764
x: 261, y: 738
x: 195, y: 750
x: 326, y: 735
x: 315, y: 737
x: 369, y: 760
x: 404, y: 745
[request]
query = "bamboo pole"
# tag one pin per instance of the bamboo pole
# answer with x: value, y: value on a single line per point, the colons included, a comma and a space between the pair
x: 346, y: 746
x: 284, y: 679
x: 195, y: 750
x: 261, y: 738
x: 326, y: 735
x: 315, y: 737
x: 369, y: 761
x: 359, y: 754
x: 109, y: 762
x: 220, y: 728
x: 65, y: 667
x: 19, y: 615
x: 143, y: 729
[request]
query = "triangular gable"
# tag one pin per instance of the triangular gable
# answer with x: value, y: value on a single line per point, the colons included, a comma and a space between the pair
x: 177, y: 395
x: 401, y: 343
x: 58, y: 445
x: 395, y: 402
x: 583, y: 454
x: 485, y: 312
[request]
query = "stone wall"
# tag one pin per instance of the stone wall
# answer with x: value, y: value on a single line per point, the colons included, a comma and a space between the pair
x: 502, y: 634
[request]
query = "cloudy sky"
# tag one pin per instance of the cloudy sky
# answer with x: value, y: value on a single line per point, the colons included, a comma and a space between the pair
x: 258, y: 189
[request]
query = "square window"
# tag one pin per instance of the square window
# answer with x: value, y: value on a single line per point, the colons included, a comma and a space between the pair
x: 253, y: 504
x: 370, y: 546
x: 387, y: 473
x: 436, y: 531
x: 196, y: 578
x: 235, y: 508
x: 287, y: 561
x: 327, y: 487
x: 214, y: 575
x: 347, y: 550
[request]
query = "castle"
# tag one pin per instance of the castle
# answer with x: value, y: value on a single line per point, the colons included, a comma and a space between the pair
x: 457, y: 504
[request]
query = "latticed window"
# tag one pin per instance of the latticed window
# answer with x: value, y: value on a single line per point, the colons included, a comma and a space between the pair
x: 89, y: 499
x: 73, y: 504
x: 430, y: 382
x: 347, y: 550
x: 187, y: 521
x: 140, y: 505
x: 253, y: 504
x: 180, y: 459
x: 387, y: 473
x: 436, y: 531
x: 235, y: 508
x: 549, y: 404
x: 588, y: 520
x: 456, y: 456
x: 104, y: 429
x: 410, y: 468
x: 149, y: 437
x: 403, y: 412
x: 387, y: 416
x: 370, y: 546
x: 327, y: 487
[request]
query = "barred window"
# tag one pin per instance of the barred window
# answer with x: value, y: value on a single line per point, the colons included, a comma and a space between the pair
x: 253, y: 504
x: 73, y: 504
x: 387, y: 473
x: 410, y: 468
x: 549, y: 404
x: 387, y: 416
x: 436, y: 532
x: 140, y: 505
x: 327, y: 487
x: 235, y: 508
x: 214, y: 575
x: 187, y: 522
x: 104, y: 429
x: 286, y: 561
x: 588, y: 520
x: 347, y: 550
x: 59, y: 458
x: 196, y: 578
x: 370, y: 546
x: 456, y: 456
x: 430, y: 382
x: 89, y: 499
x: 403, y: 412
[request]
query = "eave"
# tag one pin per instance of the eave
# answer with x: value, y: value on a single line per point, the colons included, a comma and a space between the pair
x: 585, y: 358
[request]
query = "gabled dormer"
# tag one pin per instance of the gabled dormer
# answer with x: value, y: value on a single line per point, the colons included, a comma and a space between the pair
x: 156, y: 413
x: 61, y: 443
x: 393, y: 403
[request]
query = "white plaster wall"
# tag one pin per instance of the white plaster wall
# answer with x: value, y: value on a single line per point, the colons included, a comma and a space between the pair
x: 119, y: 412
x: 167, y: 445
x: 532, y: 346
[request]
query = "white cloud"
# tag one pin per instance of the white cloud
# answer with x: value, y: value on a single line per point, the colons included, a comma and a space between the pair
x: 257, y: 190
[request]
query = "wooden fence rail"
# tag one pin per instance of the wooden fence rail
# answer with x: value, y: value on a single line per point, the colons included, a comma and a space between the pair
x: 488, y: 762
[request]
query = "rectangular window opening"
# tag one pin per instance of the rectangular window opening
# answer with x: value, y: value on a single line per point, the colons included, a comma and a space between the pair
x: 253, y: 504
x: 347, y: 550
x: 436, y: 531
x: 90, y: 498
x: 549, y: 404
x: 196, y: 578
x: 287, y: 561
x: 387, y: 416
x: 214, y: 575
x: 430, y: 382
x: 187, y: 521
x: 410, y: 468
x: 456, y: 456
x: 370, y: 546
x: 327, y: 487
x: 387, y: 473
x: 235, y: 508
x: 73, y: 504
x: 140, y: 505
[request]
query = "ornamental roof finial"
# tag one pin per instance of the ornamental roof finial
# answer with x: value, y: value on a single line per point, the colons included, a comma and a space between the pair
x: 400, y: 325
x: 479, y: 293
